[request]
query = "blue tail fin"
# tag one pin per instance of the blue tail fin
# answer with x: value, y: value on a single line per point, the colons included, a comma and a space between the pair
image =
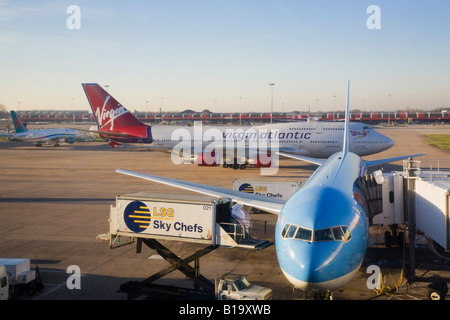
x: 18, y: 125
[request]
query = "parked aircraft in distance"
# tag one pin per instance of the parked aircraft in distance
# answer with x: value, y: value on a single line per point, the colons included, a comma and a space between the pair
x: 322, y: 230
x: 40, y: 136
x: 236, y: 146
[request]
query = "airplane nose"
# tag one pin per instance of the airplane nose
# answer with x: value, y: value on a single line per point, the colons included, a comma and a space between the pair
x: 310, y: 265
x: 387, y: 142
x: 390, y: 142
x: 318, y: 265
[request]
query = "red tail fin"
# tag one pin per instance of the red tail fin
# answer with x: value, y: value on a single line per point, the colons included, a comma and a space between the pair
x: 109, y: 113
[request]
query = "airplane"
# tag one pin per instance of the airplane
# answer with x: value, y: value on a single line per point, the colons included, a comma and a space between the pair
x: 41, y: 135
x: 243, y: 145
x: 322, y: 230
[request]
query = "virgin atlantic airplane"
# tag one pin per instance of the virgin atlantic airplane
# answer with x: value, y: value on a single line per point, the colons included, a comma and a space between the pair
x: 234, y: 147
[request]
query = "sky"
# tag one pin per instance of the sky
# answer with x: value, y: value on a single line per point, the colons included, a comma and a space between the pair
x: 222, y: 55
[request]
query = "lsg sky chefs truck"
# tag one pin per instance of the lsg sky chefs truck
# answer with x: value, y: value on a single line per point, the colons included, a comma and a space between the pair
x: 151, y: 219
x: 170, y: 217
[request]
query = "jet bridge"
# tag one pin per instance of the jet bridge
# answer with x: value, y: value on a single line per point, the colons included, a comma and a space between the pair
x: 144, y: 218
x: 419, y: 197
x: 419, y: 200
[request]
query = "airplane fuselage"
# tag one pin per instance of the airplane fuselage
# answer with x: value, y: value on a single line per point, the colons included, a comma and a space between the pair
x: 321, y: 233
x: 313, y: 139
x: 46, y: 135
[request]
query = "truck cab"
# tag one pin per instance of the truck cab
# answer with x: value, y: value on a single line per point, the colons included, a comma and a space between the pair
x: 233, y: 286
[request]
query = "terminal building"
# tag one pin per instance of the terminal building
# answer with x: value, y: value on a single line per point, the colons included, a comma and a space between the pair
x: 188, y: 116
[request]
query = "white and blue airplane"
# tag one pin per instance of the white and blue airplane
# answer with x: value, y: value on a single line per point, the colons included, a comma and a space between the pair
x: 40, y: 136
x: 322, y: 230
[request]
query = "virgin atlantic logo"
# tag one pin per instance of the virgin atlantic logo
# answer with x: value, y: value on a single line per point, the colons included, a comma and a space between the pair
x: 107, y: 116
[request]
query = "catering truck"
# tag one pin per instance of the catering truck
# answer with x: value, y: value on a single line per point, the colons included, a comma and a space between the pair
x: 270, y: 188
x: 176, y: 217
x: 147, y: 218
x: 277, y: 188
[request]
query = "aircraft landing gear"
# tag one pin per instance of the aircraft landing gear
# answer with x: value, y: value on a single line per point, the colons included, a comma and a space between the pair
x: 394, y: 237
x: 235, y: 166
x: 323, y: 295
x: 315, y: 295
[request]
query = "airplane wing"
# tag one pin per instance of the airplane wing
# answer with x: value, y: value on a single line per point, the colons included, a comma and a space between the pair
x: 371, y: 163
x: 302, y: 158
x: 260, y: 202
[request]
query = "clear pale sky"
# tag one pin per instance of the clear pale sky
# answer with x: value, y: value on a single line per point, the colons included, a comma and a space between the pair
x: 222, y: 55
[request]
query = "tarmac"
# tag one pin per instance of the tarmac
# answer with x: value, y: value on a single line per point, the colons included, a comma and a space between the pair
x: 54, y: 209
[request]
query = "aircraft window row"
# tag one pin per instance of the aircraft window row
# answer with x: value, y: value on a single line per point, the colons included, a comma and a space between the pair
x: 333, y: 128
x: 369, y: 141
x: 322, y: 141
x: 338, y: 233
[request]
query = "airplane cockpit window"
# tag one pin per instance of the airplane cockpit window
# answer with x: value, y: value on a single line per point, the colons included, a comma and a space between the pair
x: 338, y: 233
x: 286, y: 227
x: 347, y: 234
x: 303, y: 234
x: 290, y: 233
x: 323, y: 235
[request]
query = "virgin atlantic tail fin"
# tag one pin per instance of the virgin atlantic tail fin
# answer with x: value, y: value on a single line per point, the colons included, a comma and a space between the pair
x: 109, y: 113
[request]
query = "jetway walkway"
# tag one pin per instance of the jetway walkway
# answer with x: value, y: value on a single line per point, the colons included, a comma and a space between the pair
x: 420, y: 201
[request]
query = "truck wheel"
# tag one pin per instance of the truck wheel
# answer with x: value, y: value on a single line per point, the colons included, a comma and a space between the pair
x: 433, y: 294
x: 437, y: 290
x: 31, y: 290
x: 388, y: 239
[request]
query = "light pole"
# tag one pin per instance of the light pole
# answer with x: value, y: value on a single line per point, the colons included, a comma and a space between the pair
x: 334, y: 106
x: 389, y: 110
x: 271, y: 102
x: 240, y: 110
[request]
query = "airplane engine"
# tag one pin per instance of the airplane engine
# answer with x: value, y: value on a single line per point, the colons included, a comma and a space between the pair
x: 70, y: 140
x: 262, y: 160
x: 207, y: 159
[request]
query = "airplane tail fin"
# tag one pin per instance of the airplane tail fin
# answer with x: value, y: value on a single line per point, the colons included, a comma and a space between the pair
x: 346, y: 137
x: 18, y: 125
x: 347, y: 122
x: 111, y: 116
